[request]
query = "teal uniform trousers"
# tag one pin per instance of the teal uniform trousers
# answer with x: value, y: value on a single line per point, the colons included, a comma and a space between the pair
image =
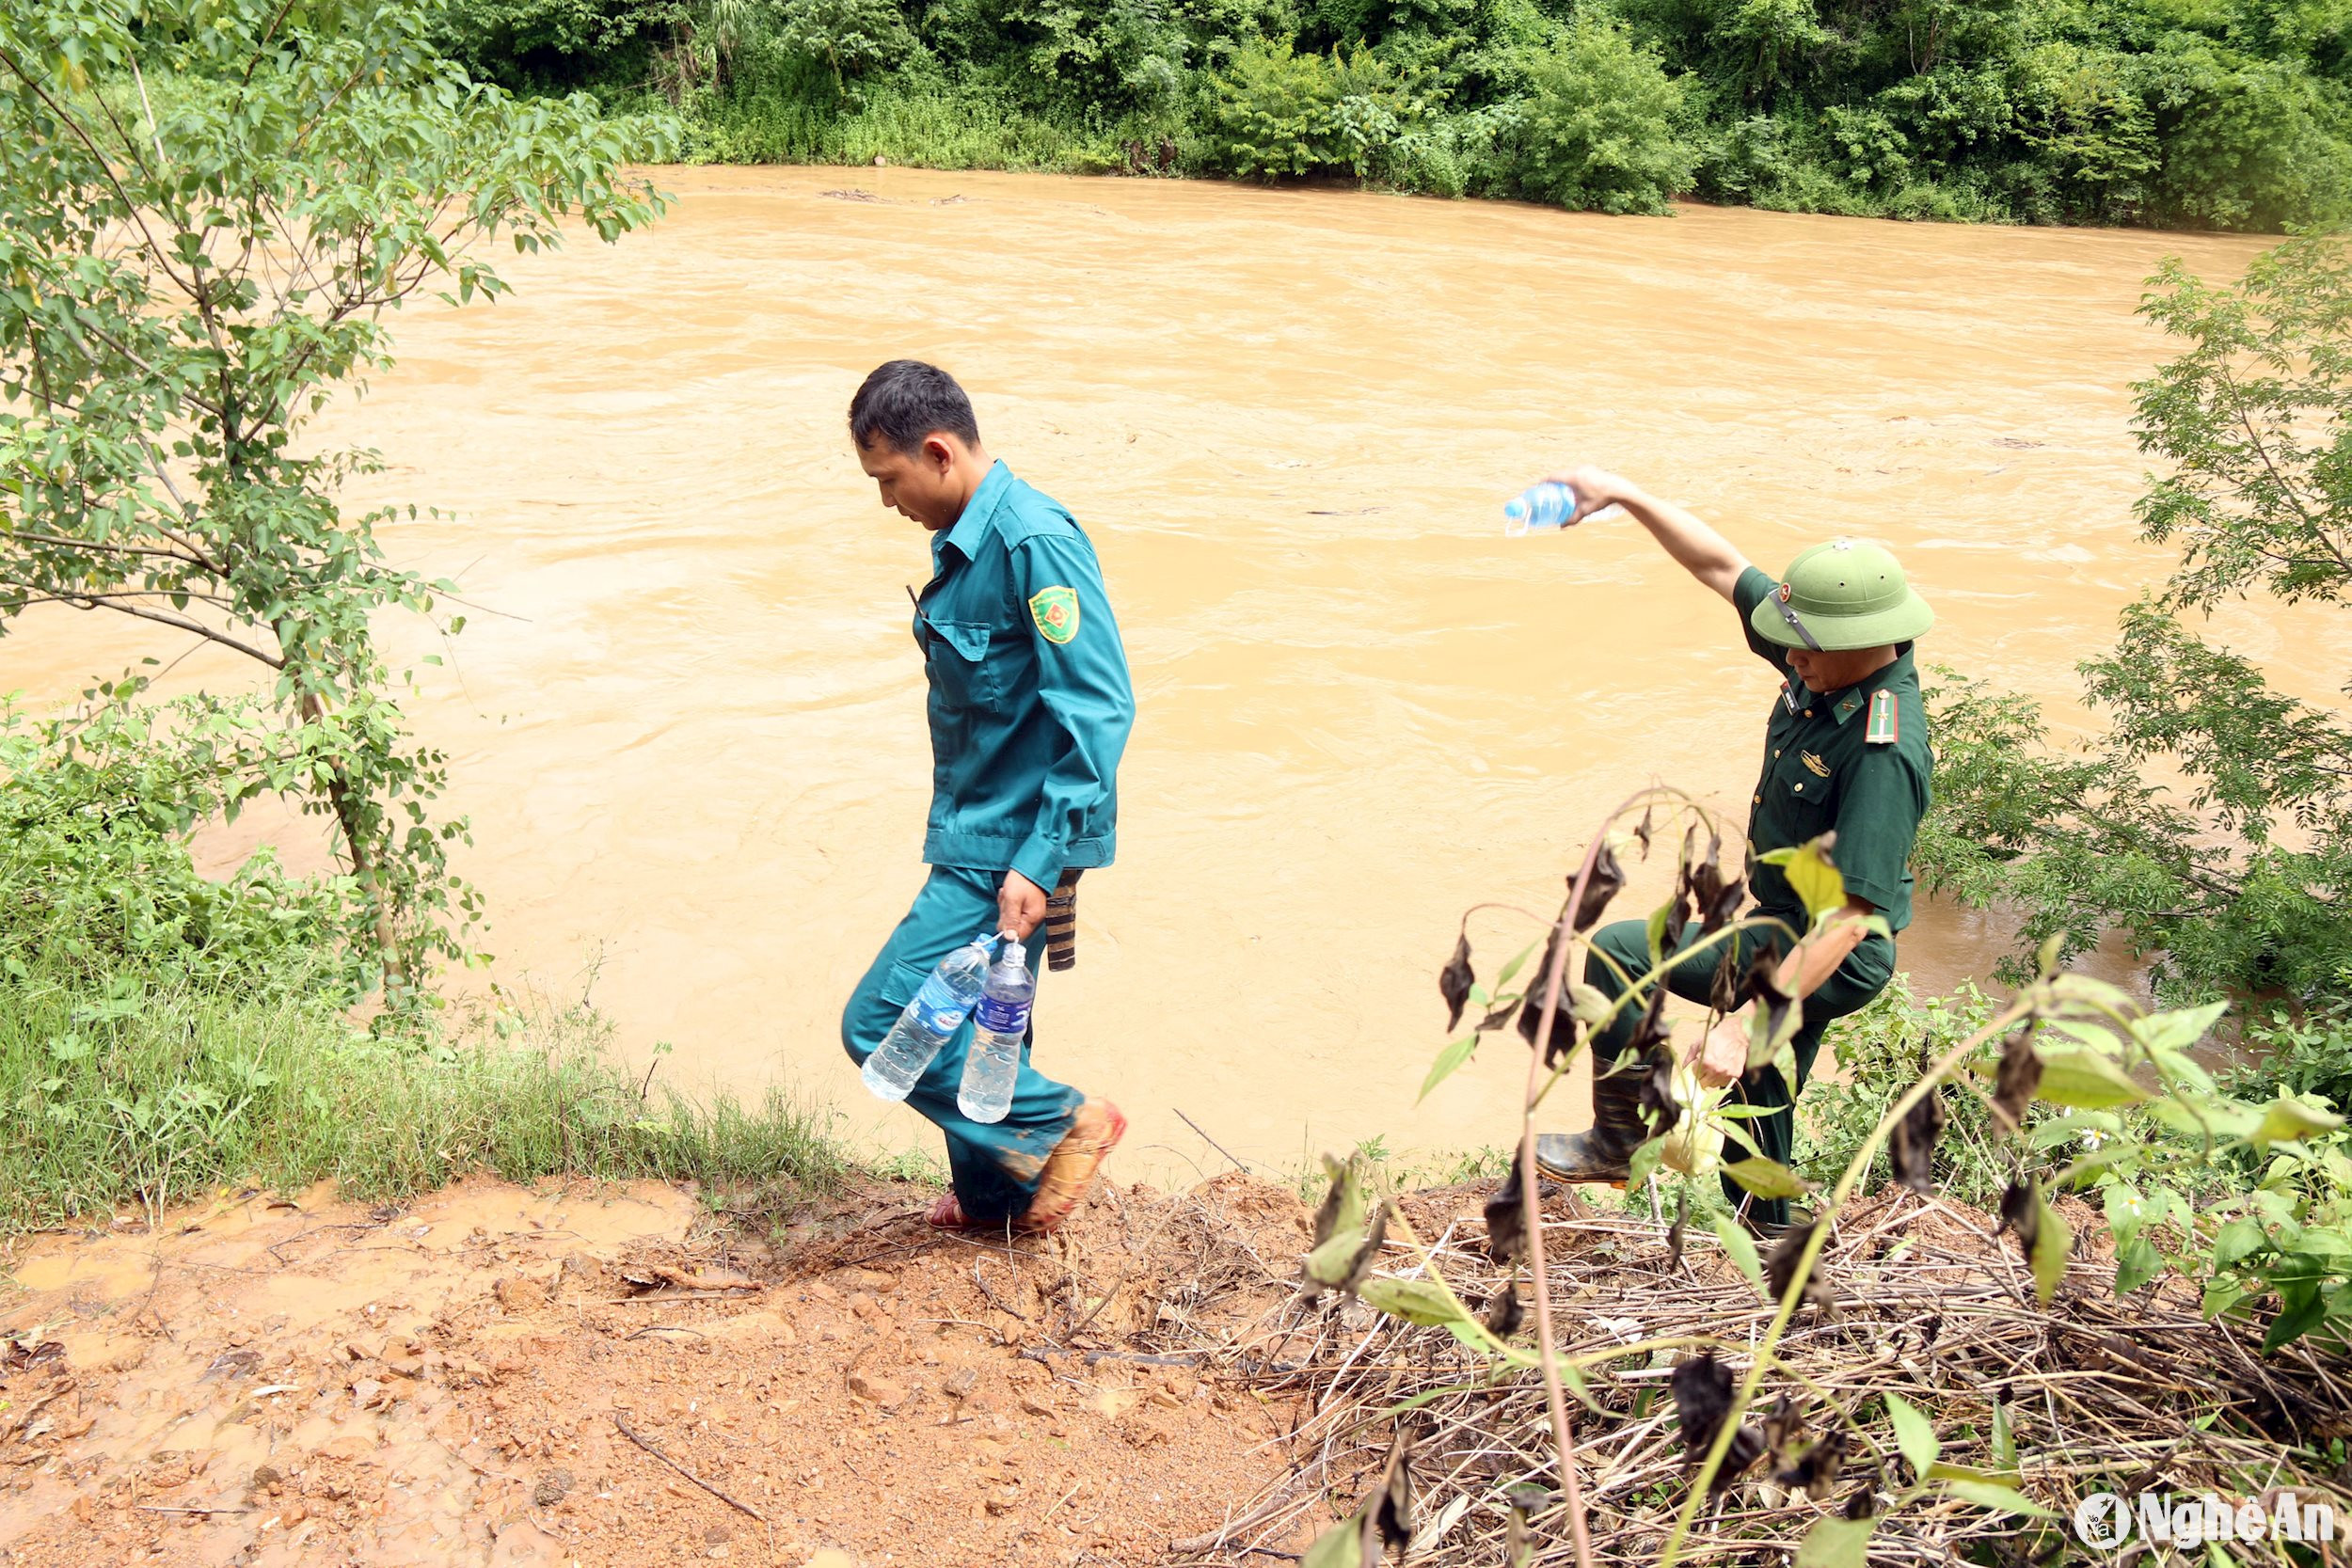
x: 993, y: 1165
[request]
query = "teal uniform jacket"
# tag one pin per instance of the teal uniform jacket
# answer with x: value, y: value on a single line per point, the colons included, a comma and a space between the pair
x: 1029, y: 709
x: 1030, y: 702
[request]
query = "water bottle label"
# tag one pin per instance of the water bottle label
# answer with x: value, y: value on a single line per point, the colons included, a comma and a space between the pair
x: 936, y: 1009
x: 1002, y: 1017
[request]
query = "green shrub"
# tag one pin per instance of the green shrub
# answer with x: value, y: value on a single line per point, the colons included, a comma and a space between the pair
x: 2259, y: 145
x: 847, y: 38
x: 1273, y: 114
x: 1878, y: 1051
x: 96, y: 878
x: 1602, y: 128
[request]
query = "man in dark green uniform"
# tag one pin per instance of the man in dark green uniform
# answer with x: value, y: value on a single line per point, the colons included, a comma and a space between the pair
x: 1029, y: 709
x: 1845, y: 751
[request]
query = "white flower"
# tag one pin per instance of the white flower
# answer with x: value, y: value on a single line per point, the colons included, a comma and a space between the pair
x: 2093, y: 1138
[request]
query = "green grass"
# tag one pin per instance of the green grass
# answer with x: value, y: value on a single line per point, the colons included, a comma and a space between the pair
x: 934, y: 131
x: 1403, y: 1173
x: 158, y: 1092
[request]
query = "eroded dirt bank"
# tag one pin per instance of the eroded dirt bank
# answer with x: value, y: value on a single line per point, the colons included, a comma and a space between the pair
x: 502, y: 1376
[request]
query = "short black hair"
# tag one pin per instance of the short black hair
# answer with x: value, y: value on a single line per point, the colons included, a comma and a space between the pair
x: 907, y: 400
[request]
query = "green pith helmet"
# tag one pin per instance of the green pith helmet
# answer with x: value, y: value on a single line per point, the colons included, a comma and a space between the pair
x: 1846, y: 593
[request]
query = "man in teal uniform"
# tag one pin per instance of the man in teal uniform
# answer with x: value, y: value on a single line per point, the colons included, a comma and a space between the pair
x: 1845, y: 751
x: 1029, y: 709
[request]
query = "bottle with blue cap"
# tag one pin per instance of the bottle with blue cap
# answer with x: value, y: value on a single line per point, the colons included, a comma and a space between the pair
x: 1546, y: 505
x: 1000, y: 1026
x: 929, y: 1020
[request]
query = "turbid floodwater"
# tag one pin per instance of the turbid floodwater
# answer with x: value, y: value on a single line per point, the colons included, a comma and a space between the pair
x: 687, y: 720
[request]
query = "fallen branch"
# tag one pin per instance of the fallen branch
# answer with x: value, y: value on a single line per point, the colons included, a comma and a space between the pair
x: 630, y: 1432
x: 1214, y: 1144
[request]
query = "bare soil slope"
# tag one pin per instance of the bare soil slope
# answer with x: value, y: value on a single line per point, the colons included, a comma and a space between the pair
x: 606, y: 1375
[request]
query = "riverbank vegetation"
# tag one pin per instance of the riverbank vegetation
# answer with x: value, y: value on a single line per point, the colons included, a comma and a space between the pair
x: 2209, y: 825
x: 205, y: 214
x: 163, y: 1033
x: 2231, y: 115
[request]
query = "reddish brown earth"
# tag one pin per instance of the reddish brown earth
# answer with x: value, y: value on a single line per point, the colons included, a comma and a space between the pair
x: 264, y: 1383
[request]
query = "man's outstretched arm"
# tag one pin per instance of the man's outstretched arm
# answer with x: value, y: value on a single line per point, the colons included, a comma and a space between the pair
x: 1696, y: 547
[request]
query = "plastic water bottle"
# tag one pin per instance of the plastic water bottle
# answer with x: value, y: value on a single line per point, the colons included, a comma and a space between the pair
x: 1000, y: 1026
x: 934, y: 1015
x: 1550, y: 504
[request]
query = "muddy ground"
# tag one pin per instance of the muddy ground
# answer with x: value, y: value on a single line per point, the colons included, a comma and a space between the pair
x: 585, y: 1374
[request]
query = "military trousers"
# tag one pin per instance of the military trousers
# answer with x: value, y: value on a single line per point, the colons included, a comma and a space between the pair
x: 1862, y: 976
x: 995, y: 1167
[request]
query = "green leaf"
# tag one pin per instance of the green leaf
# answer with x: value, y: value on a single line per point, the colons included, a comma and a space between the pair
x: 1341, y: 1546
x: 2004, y: 1441
x: 2135, y: 1264
x: 1448, y: 1061
x: 2238, y: 1239
x: 1835, y: 1543
x: 2201, y: 1116
x: 1573, y: 1378
x: 1513, y: 967
x: 1767, y: 1178
x: 1330, y: 1264
x: 1740, y: 1247
x: 1659, y: 918
x: 1811, y: 877
x: 2001, y: 1499
x: 2300, y: 1310
x: 1644, y: 1161
x: 2287, y: 1120
x: 1348, y: 1207
x: 2050, y: 1243
x: 2221, y: 1296
x: 1587, y: 1004
x: 2177, y: 1031
x: 1416, y: 1301
x: 1914, y: 1433
x: 2086, y: 1080
x: 1945, y: 1470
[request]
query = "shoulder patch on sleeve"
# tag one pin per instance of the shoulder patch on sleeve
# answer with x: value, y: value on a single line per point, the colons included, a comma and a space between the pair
x: 1886, y: 724
x: 1055, y: 611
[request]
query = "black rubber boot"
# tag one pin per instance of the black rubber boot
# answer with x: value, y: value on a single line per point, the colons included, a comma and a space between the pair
x: 1598, y: 1155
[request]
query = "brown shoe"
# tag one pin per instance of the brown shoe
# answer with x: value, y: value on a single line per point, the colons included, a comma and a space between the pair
x: 1094, y: 1132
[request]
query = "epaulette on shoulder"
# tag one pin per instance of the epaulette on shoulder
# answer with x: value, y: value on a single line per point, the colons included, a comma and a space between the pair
x: 1885, y: 727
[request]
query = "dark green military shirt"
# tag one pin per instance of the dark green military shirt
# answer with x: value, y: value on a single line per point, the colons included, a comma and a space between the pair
x: 1856, y: 761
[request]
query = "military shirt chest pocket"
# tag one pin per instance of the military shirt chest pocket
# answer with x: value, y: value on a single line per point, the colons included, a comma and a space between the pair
x: 1804, y: 788
x: 955, y: 653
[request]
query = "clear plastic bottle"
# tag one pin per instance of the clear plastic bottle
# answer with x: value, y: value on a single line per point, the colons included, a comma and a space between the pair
x: 1550, y: 504
x: 1000, y: 1026
x: 934, y: 1015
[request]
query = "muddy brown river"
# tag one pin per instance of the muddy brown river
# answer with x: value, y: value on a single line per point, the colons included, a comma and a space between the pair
x: 691, y: 739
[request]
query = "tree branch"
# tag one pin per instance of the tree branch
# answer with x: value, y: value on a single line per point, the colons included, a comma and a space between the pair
x: 165, y: 618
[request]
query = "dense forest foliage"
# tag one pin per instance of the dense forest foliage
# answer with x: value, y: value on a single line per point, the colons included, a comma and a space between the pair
x: 2229, y: 113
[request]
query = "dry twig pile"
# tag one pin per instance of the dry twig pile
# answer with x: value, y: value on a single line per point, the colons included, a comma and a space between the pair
x: 2098, y: 1394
